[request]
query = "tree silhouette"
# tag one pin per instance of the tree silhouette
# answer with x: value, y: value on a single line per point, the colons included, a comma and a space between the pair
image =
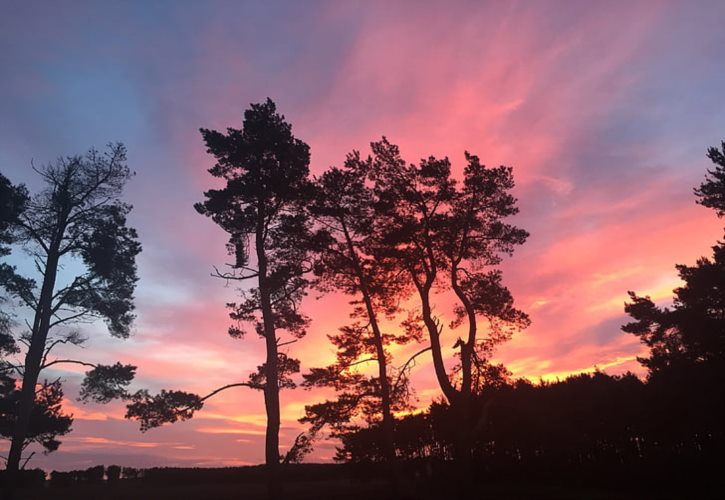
x: 344, y: 211
x: 692, y: 331
x: 451, y: 237
x: 686, y: 342
x: 13, y: 202
x: 261, y: 208
x: 77, y: 215
x: 48, y: 422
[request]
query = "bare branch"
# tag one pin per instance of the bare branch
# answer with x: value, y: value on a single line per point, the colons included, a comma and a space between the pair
x: 74, y: 339
x: 234, y: 276
x: 9, y: 367
x: 69, y: 318
x: 407, y: 364
x: 359, y: 362
x: 70, y: 361
x: 27, y: 460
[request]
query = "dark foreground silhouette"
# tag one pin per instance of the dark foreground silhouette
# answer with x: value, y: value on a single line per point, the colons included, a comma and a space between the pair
x: 419, y: 480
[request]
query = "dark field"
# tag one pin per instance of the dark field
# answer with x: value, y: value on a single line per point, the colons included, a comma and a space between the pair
x: 343, y: 489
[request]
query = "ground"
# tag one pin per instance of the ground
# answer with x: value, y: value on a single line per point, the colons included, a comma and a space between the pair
x: 330, y: 489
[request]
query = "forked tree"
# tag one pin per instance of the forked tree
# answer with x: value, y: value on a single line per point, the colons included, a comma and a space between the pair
x: 78, y: 216
x: 450, y: 236
x: 261, y: 208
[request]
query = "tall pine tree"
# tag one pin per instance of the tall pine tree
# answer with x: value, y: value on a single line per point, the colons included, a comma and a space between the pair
x: 261, y: 208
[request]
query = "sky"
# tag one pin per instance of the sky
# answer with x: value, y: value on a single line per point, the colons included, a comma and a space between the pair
x: 604, y: 109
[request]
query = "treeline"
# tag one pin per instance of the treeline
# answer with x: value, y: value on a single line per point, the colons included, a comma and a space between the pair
x: 196, y: 475
x: 588, y: 428
x: 95, y: 474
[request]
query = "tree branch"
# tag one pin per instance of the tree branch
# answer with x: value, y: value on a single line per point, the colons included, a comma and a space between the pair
x: 69, y: 318
x: 359, y: 362
x: 70, y: 361
x: 403, y: 368
x: 27, y: 460
x: 73, y: 338
x: 229, y: 386
x: 233, y: 276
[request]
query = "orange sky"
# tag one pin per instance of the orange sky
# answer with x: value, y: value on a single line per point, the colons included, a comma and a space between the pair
x: 604, y: 110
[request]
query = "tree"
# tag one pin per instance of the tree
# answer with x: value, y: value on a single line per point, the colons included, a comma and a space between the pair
x: 686, y: 341
x: 344, y: 212
x: 262, y: 209
x: 692, y: 331
x: 113, y: 473
x: 451, y: 238
x: 77, y: 216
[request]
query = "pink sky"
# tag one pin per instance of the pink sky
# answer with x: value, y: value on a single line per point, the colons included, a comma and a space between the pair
x: 605, y: 111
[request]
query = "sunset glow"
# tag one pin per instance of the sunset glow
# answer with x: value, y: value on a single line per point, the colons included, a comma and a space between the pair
x: 604, y: 111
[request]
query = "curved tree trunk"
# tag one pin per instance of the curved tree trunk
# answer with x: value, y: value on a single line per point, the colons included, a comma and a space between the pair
x: 466, y: 393
x: 386, y: 402
x: 434, y: 334
x: 388, y: 423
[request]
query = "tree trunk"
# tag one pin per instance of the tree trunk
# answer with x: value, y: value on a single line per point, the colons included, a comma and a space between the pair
x: 465, y: 397
x: 33, y: 361
x: 464, y: 443
x: 440, y: 369
x: 459, y: 400
x: 388, y: 419
x: 271, y: 389
x: 388, y: 423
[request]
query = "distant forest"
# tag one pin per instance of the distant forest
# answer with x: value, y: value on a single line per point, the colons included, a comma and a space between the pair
x: 391, y: 235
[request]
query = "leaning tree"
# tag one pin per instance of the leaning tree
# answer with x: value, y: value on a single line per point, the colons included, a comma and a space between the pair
x: 76, y: 217
x: 261, y: 208
x: 344, y: 214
